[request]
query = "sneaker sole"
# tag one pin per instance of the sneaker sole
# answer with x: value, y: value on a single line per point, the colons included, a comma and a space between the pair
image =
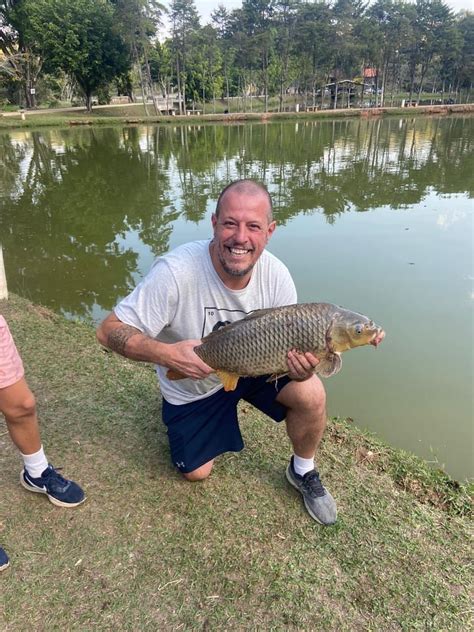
x: 55, y: 501
x: 2, y: 568
x: 295, y: 485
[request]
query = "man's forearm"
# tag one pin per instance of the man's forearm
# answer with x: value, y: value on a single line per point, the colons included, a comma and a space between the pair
x: 133, y: 344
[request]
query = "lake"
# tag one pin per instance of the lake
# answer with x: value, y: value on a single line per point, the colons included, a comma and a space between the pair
x: 374, y: 215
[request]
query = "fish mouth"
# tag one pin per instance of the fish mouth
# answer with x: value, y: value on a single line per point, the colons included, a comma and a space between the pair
x: 378, y: 337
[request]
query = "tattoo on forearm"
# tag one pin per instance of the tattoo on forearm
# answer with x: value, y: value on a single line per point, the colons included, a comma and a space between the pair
x: 118, y: 338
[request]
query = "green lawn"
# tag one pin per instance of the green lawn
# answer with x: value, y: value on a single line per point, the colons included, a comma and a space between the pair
x: 149, y: 551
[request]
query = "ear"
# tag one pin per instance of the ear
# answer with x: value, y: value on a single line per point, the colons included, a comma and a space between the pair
x: 271, y: 229
x: 214, y: 220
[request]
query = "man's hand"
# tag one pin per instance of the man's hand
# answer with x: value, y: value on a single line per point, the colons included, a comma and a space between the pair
x: 301, y: 365
x: 181, y: 358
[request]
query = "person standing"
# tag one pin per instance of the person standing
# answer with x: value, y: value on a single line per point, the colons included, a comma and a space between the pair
x: 18, y: 405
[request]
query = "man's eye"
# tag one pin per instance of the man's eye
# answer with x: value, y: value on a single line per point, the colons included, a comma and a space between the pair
x: 229, y: 224
x: 255, y: 227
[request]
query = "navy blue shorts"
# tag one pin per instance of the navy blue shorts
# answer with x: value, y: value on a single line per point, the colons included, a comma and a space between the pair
x: 203, y: 429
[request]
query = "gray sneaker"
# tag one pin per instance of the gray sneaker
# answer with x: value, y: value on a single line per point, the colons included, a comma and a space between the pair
x: 318, y: 501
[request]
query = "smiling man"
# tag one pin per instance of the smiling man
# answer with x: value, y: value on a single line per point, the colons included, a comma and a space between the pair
x: 195, y: 289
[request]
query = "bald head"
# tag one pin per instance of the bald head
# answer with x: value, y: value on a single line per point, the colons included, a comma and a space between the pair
x: 248, y: 188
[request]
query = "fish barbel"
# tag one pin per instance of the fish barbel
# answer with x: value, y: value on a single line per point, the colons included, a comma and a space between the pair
x: 259, y: 343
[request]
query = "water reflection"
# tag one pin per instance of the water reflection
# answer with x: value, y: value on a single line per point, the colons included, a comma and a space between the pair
x: 69, y: 198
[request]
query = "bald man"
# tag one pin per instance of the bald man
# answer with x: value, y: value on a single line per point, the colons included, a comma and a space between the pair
x: 195, y: 289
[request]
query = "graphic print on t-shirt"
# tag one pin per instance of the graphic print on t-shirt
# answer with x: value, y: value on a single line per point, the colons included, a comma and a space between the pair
x: 217, y: 317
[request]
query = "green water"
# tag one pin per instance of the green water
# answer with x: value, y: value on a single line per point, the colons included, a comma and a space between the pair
x: 373, y: 215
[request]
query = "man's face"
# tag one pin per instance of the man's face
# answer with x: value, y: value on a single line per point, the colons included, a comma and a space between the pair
x: 241, y: 232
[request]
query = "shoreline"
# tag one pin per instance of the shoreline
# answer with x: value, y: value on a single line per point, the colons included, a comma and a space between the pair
x: 408, y: 471
x: 75, y: 117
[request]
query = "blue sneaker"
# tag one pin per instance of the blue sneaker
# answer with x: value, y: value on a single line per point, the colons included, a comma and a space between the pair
x: 4, y: 561
x: 59, y: 490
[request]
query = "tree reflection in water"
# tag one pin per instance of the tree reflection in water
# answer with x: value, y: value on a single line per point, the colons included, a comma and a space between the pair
x: 71, y: 199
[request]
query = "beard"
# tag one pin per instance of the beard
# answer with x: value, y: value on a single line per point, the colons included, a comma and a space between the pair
x: 236, y: 272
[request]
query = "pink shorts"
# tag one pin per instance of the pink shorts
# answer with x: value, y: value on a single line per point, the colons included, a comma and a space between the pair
x: 11, y: 366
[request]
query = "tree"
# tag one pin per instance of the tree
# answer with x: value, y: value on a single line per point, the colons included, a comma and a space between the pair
x: 465, y: 66
x: 21, y: 59
x: 435, y: 21
x: 184, y: 25
x: 80, y: 37
x: 221, y: 22
x: 139, y: 20
x: 313, y: 46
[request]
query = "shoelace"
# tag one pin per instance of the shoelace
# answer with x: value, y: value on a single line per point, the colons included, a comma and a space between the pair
x: 312, y: 484
x: 55, y: 476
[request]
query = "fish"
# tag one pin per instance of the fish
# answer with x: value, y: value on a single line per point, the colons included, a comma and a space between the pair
x: 259, y: 343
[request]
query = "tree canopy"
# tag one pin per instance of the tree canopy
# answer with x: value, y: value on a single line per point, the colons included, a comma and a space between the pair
x: 264, y: 47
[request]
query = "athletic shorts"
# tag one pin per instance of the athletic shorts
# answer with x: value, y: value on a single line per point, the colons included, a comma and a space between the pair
x: 201, y: 430
x: 11, y: 366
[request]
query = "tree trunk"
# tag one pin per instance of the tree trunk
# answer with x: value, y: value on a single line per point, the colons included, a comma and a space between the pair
x: 88, y: 99
x: 178, y: 81
x: 150, y: 82
x: 139, y: 66
x: 422, y: 78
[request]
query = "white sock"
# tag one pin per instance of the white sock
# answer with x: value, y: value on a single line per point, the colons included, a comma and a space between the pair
x: 301, y: 465
x: 35, y: 463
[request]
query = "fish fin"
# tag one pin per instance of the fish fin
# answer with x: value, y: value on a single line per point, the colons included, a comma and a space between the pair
x: 228, y: 379
x: 171, y: 374
x: 276, y: 376
x: 329, y: 365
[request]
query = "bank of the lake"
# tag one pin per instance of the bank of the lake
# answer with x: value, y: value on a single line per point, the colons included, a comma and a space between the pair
x: 150, y: 551
x: 134, y: 115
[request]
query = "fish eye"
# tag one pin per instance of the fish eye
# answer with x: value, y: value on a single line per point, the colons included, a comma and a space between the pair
x: 358, y: 329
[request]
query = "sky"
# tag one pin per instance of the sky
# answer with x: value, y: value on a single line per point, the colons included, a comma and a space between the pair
x: 205, y: 7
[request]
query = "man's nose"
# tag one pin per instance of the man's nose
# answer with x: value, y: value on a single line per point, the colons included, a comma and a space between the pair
x: 241, y: 233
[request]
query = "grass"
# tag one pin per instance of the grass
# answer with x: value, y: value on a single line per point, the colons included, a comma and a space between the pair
x: 149, y: 551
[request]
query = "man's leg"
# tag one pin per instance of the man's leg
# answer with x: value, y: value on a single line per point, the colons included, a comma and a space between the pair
x: 306, y: 414
x: 305, y: 423
x: 200, y: 473
x: 200, y: 431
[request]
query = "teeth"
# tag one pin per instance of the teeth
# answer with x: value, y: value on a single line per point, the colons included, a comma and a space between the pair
x: 238, y: 251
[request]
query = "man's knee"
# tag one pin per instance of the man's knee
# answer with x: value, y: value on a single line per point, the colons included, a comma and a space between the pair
x: 200, y: 473
x: 307, y: 394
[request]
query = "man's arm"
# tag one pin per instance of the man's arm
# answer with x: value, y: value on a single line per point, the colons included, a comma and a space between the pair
x: 132, y: 343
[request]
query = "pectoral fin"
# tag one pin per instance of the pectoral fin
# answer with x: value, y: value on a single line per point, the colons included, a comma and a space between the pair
x: 329, y: 365
x: 228, y: 379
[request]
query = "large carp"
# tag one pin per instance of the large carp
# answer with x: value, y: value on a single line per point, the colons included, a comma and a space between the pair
x: 259, y: 343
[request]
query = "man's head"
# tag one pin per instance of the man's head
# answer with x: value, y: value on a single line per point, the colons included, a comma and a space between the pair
x: 243, y: 223
x: 245, y: 187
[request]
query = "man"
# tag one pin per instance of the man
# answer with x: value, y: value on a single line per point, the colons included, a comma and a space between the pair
x: 195, y: 289
x: 18, y: 405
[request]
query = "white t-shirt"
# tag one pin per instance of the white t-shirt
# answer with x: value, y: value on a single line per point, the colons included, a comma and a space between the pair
x: 183, y: 297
